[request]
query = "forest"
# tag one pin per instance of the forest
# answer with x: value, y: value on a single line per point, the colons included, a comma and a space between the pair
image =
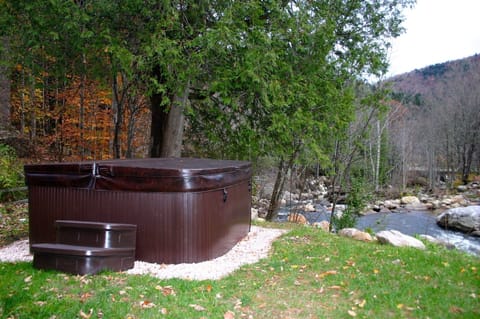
x: 284, y: 84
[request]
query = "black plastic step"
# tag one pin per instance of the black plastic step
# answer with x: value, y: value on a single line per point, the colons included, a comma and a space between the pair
x: 81, y: 259
x: 95, y: 234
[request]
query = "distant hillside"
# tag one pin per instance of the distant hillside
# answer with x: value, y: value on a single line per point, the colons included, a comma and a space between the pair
x: 440, y: 128
x: 434, y: 81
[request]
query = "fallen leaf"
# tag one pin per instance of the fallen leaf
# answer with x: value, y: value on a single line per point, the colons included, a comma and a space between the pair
x: 400, y: 306
x: 229, y: 315
x: 352, y: 313
x: 238, y: 304
x: 455, y: 309
x: 40, y: 303
x: 166, y: 291
x: 209, y: 288
x: 164, y: 311
x: 327, y: 273
x: 145, y: 304
x: 85, y: 296
x: 197, y: 307
x: 335, y: 287
x: 28, y: 279
x: 361, y: 303
x: 376, y: 271
x: 83, y: 315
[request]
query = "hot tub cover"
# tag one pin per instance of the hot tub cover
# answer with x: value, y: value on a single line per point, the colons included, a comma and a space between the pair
x: 145, y: 175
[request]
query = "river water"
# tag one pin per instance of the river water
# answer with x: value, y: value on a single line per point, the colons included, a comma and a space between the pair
x: 410, y: 223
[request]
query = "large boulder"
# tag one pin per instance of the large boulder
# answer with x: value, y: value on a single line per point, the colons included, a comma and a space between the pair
x: 410, y: 200
x: 396, y: 238
x: 323, y: 225
x: 355, y: 234
x: 297, y: 218
x: 465, y: 219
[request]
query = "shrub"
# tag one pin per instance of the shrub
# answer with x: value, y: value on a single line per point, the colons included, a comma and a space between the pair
x: 355, y: 201
x: 11, y: 169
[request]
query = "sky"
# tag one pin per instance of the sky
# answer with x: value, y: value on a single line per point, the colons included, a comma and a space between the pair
x: 437, y: 31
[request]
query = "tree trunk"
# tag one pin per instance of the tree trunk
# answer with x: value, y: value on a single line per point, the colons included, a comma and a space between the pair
x: 4, y: 88
x: 159, y: 118
x: 133, y: 106
x: 117, y: 106
x: 173, y: 133
x: 33, y: 116
x: 277, y: 190
x: 378, y: 156
x: 167, y: 125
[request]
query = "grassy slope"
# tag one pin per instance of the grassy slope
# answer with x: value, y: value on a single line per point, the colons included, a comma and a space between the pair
x: 310, y: 274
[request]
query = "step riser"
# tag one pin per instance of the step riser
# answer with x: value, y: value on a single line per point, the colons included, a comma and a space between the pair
x: 96, y: 238
x: 81, y: 265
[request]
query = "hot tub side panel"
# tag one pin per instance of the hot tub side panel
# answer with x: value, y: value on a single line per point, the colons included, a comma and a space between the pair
x: 177, y: 227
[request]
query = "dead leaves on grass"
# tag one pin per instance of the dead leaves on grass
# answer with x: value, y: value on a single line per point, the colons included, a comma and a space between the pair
x: 166, y: 291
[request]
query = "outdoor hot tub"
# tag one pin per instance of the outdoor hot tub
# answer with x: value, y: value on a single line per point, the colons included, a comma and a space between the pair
x: 185, y: 210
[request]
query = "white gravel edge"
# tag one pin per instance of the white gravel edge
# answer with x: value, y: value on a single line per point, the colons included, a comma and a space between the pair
x: 17, y: 251
x: 255, y: 246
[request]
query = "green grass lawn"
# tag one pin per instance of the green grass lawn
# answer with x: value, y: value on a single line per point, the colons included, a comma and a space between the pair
x: 309, y: 274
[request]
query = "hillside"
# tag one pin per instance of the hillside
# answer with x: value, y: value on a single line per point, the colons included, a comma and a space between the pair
x: 436, y: 81
x: 440, y: 131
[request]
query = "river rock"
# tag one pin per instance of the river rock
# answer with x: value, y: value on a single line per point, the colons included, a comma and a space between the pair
x: 416, y: 206
x: 323, y: 225
x: 355, y: 234
x: 297, y: 218
x: 396, y: 238
x: 309, y: 207
x: 459, y: 199
x: 465, y: 219
x: 391, y: 204
x: 410, y: 200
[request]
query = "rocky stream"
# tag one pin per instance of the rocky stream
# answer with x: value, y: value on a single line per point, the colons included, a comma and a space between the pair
x: 410, y: 215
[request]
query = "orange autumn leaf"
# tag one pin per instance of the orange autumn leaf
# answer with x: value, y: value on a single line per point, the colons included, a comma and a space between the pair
x: 145, y: 304
x: 327, y: 273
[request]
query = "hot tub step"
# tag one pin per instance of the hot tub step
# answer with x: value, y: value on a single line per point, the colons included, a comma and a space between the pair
x: 81, y: 259
x: 96, y: 234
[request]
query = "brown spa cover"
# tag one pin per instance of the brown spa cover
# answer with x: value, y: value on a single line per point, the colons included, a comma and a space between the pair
x: 185, y: 209
x: 144, y: 175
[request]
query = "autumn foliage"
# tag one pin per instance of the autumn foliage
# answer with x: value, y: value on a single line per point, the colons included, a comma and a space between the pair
x: 71, y: 120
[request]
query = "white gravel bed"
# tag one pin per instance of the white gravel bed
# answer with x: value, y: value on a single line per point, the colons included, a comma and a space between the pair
x: 17, y: 251
x: 255, y: 246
